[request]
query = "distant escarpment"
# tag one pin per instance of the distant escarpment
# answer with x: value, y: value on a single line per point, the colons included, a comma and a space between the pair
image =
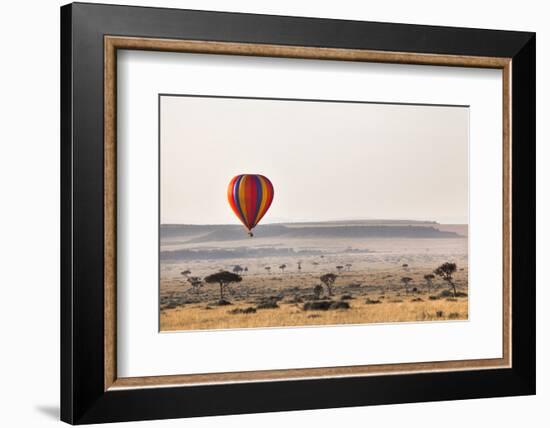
x: 216, y: 233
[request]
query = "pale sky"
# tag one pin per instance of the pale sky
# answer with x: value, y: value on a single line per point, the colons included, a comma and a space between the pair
x: 326, y: 160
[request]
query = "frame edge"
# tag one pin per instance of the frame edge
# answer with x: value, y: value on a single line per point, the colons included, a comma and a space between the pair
x: 66, y: 315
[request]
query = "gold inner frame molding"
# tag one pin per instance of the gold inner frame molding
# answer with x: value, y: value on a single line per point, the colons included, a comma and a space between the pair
x: 113, y: 43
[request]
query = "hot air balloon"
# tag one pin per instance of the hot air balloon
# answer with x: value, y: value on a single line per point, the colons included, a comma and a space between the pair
x: 250, y: 197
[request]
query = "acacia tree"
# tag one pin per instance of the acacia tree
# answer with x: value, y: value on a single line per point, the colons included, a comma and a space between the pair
x: 445, y: 271
x: 196, y: 283
x: 237, y: 269
x: 429, y: 280
x: 186, y: 272
x: 268, y: 269
x: 299, y: 265
x: 339, y: 268
x: 348, y: 266
x: 224, y: 278
x: 282, y: 267
x: 328, y: 279
x: 405, y: 280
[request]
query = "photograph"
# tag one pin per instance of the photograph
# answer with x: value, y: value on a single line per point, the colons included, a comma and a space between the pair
x: 293, y: 212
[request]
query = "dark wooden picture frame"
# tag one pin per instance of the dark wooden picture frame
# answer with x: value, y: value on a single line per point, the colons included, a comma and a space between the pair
x: 90, y: 389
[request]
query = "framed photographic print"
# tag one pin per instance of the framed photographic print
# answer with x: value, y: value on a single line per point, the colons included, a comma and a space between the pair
x: 265, y: 213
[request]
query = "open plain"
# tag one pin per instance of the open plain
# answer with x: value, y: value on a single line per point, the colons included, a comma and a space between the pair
x: 312, y: 274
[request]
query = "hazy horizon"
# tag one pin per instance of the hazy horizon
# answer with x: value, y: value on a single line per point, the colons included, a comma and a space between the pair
x: 328, y: 161
x: 340, y: 220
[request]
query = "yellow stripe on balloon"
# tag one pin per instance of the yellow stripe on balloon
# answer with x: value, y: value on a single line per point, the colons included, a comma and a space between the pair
x: 260, y: 212
x: 242, y: 199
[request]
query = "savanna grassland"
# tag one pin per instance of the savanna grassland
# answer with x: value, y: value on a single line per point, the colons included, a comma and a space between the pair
x: 312, y: 274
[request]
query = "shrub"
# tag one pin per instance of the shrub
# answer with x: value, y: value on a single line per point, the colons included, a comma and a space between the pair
x: 339, y: 305
x: 236, y: 311
x: 439, y: 314
x: 346, y: 297
x: 417, y: 299
x: 317, y: 291
x: 325, y: 305
x: 268, y: 304
x: 237, y: 269
x: 296, y: 299
x: 321, y: 305
x: 454, y: 315
x: 433, y: 297
x: 370, y: 301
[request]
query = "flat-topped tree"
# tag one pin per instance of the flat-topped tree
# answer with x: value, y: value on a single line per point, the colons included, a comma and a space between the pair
x: 445, y: 271
x: 405, y: 280
x: 224, y: 278
x: 237, y: 269
x: 328, y: 279
x: 429, y: 278
x: 282, y: 267
x: 196, y: 283
x: 339, y: 268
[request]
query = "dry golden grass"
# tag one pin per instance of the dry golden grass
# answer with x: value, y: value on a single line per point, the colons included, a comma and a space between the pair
x: 196, y: 317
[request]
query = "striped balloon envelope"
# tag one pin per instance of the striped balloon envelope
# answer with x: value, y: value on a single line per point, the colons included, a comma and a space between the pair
x: 250, y: 196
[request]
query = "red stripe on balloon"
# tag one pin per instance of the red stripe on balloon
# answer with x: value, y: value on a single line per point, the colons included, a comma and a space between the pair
x: 250, y: 197
x: 232, y: 194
